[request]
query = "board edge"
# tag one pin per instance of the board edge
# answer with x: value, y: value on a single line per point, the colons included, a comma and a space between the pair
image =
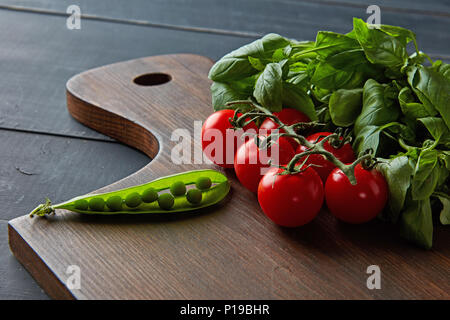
x: 36, y: 267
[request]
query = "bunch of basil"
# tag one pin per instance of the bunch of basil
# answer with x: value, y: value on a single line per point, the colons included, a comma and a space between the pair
x: 395, y: 103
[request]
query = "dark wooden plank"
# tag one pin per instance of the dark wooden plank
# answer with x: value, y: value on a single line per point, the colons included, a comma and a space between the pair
x: 34, y: 166
x: 15, y: 281
x: 431, y: 7
x: 39, y: 54
x: 228, y: 251
x: 115, y: 6
x: 32, y: 82
x: 296, y: 19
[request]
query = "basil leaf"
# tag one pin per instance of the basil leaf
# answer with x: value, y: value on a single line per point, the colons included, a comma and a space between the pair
x: 330, y: 43
x: 231, y: 68
x: 269, y: 86
x: 432, y: 89
x: 445, y: 157
x: 328, y: 77
x: 378, y: 110
x: 402, y: 34
x: 347, y: 60
x: 409, y: 106
x: 426, y: 175
x: 444, y: 216
x: 298, y: 74
x: 298, y: 66
x: 338, y: 70
x: 223, y: 93
x: 280, y: 54
x: 270, y: 44
x: 397, y: 172
x: 236, y: 64
x: 401, y: 130
x: 296, y: 47
x: 442, y: 173
x: 345, y: 106
x: 256, y: 63
x: 367, y: 138
x: 379, y: 46
x: 296, y: 98
x: 442, y: 68
x: 300, y: 78
x: 437, y: 129
x: 356, y: 81
x: 284, y: 64
x: 322, y: 95
x: 417, y: 223
x: 263, y: 48
x: 351, y: 34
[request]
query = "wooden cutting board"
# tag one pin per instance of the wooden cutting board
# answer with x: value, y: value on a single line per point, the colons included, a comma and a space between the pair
x: 230, y: 251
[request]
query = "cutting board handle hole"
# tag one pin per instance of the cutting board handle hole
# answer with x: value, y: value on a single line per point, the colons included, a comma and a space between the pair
x: 152, y: 79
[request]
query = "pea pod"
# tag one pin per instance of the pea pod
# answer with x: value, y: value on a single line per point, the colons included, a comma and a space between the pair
x: 136, y: 199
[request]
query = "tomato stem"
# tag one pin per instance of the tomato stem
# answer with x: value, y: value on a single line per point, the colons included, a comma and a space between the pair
x: 337, y: 140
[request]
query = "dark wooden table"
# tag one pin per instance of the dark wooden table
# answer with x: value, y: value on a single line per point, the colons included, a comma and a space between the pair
x: 43, y: 148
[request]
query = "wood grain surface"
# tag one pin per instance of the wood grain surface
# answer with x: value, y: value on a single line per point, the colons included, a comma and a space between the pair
x: 40, y: 54
x: 250, y: 18
x: 231, y: 251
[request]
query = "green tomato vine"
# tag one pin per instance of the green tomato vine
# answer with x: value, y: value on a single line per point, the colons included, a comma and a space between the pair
x: 336, y: 140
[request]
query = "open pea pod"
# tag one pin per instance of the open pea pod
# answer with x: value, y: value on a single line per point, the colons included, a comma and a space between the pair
x: 180, y: 192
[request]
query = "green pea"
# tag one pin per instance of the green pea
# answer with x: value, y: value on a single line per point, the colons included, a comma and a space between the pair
x: 133, y: 200
x: 203, y: 183
x: 178, y: 188
x: 97, y: 204
x: 194, y: 196
x: 149, y: 195
x: 211, y: 187
x: 166, y: 201
x: 81, y: 204
x: 114, y: 203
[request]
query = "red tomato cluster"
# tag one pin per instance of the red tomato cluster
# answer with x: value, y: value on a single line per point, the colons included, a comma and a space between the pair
x: 292, y: 200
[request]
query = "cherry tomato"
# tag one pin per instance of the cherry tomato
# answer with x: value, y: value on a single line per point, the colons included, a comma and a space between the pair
x: 356, y: 203
x: 344, y: 154
x: 288, y: 116
x: 251, y: 163
x: 215, y: 144
x: 291, y: 200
